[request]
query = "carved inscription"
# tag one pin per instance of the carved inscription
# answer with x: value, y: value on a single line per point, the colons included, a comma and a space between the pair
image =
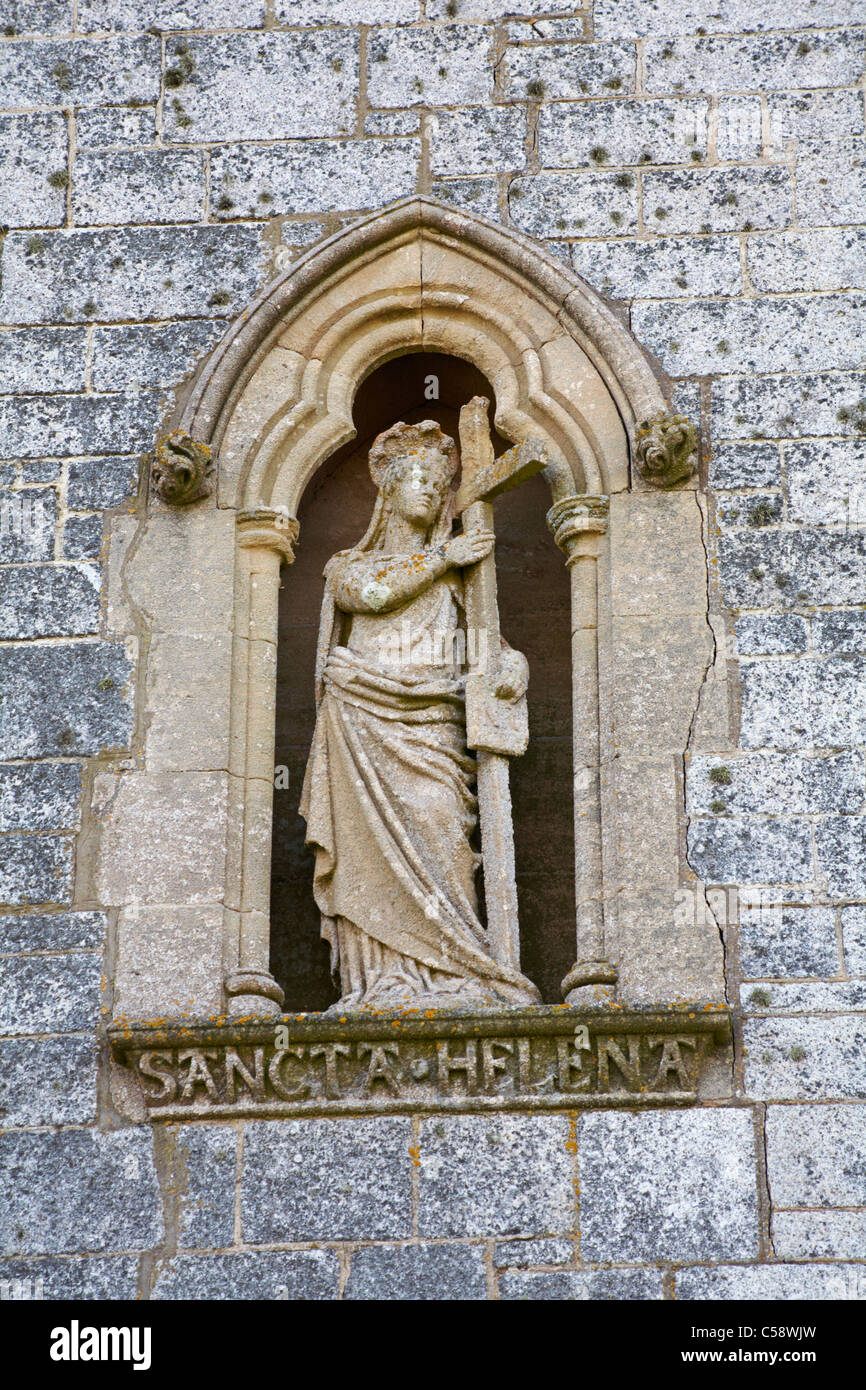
x: 465, y: 1072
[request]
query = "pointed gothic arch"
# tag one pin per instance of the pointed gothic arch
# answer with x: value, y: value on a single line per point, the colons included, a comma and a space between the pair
x: 274, y: 401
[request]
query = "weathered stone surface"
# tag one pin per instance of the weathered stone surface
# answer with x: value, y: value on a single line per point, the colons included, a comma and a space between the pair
x: 98, y: 15
x: 43, y: 359
x: 169, y: 959
x: 816, y: 1155
x: 656, y: 696
x: 348, y: 11
x: 31, y: 148
x: 113, y: 1277
x: 64, y: 699
x: 854, y: 938
x: 739, y: 128
x: 568, y: 71
x: 48, y: 1081
x: 188, y: 696
x: 334, y: 1179
x: 316, y: 176
x: 754, y: 62
x: 589, y: 204
x: 647, y: 18
x: 656, y: 556
x: 82, y: 538
x: 40, y: 796
x: 38, y: 16
x: 745, y: 465
x: 717, y: 200
x: 57, y: 931
x: 787, y: 941
x: 49, y: 601
x: 32, y: 426
x: 240, y: 91
x: 80, y: 72
x: 812, y: 116
x: 204, y: 1158
x: 624, y: 132
x: 79, y: 1190
x: 776, y: 1282
x: 418, y: 1272
x: 140, y: 810
x: 392, y: 123
x: 502, y: 1175
x: 50, y: 994
x: 825, y: 259
x: 669, y: 267
x: 108, y: 127
x: 779, y: 569
x: 36, y: 869
x: 309, y: 1275
x: 819, y: 1235
x: 149, y: 185
x: 808, y: 997
x: 842, y: 633
x: 141, y: 355
x: 841, y: 844
x: 750, y: 850
x: 478, y: 140
x: 621, y: 1285
x: 806, y: 1058
x: 445, y: 67
x: 496, y: 9
x: 38, y: 470
x: 815, y: 704
x: 182, y: 572
x: 478, y: 195
x: 760, y: 335
x: 831, y: 182
x: 784, y: 785
x: 685, y: 1187
x: 754, y: 510
x: 778, y: 635
x: 101, y: 482
x: 808, y: 404
x: 132, y: 273
x: 519, y: 1254
x: 827, y: 481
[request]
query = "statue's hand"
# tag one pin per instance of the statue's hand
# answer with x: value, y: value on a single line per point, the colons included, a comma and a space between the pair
x: 512, y: 676
x: 468, y: 549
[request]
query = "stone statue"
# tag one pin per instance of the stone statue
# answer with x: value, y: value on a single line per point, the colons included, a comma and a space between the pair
x: 389, y: 795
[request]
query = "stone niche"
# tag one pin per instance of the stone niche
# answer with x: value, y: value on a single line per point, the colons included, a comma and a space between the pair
x: 602, y: 574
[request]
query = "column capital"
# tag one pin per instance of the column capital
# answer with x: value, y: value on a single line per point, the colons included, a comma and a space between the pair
x: 268, y: 528
x: 573, y: 518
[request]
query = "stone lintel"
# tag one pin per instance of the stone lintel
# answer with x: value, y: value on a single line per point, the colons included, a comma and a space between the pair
x: 547, y: 1057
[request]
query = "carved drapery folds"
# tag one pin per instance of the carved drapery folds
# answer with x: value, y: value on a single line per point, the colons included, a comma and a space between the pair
x: 182, y: 469
x: 666, y: 450
x: 275, y: 401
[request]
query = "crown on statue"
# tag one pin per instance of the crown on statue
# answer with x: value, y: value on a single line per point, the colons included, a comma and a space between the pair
x: 402, y: 441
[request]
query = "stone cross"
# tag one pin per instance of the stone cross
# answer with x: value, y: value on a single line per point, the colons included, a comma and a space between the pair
x: 495, y: 727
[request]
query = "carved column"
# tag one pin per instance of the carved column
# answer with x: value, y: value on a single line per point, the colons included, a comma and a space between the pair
x: 265, y: 540
x: 578, y: 524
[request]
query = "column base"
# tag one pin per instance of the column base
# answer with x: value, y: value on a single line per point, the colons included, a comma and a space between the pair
x: 253, y: 993
x: 590, y: 982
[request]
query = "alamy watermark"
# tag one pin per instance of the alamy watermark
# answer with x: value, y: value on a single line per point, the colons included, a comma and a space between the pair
x: 22, y: 517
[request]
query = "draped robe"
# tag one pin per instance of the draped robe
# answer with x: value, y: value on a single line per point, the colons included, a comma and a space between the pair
x: 390, y: 808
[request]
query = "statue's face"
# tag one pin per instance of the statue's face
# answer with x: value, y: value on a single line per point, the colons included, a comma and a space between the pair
x: 417, y: 496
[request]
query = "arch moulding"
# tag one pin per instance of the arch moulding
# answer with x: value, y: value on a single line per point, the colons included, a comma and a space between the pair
x: 198, y: 585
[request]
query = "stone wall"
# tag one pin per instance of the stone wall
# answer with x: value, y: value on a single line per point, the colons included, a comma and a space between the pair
x: 704, y: 167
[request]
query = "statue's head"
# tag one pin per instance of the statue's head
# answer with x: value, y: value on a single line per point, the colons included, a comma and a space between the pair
x: 413, y: 467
